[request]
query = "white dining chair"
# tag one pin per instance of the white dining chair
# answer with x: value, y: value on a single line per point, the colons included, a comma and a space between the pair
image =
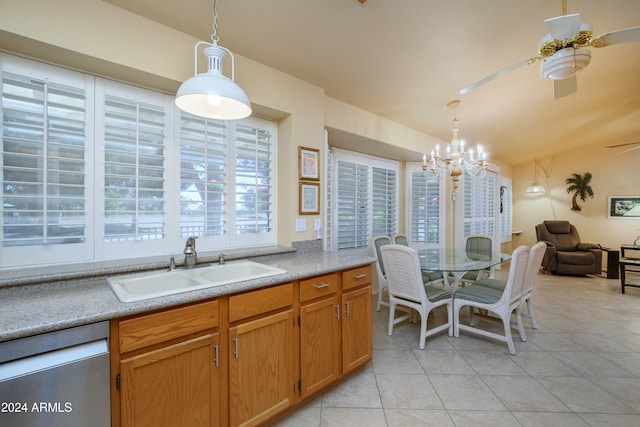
x: 533, y: 267
x: 406, y: 289
x: 428, y: 277
x: 376, y: 243
x: 502, y: 302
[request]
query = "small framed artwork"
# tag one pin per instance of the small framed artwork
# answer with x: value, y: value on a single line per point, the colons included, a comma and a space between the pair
x: 308, y: 164
x: 309, y: 198
x: 625, y: 207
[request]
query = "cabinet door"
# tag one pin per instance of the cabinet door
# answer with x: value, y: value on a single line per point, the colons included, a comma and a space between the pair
x: 319, y: 344
x: 261, y: 368
x: 174, y: 386
x: 356, y: 328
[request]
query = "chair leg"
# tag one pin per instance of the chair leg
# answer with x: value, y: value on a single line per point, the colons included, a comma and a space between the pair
x: 423, y: 329
x: 519, y: 324
x: 506, y: 321
x: 456, y: 319
x: 380, y: 292
x: 392, y: 315
x: 532, y: 317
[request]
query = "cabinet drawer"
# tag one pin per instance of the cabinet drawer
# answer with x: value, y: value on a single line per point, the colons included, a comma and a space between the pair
x: 318, y: 286
x: 167, y: 325
x: 261, y: 301
x: 356, y: 277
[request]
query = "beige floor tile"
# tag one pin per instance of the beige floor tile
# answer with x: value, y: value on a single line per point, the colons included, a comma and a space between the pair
x: 417, y: 418
x: 538, y: 363
x: 483, y: 419
x: 358, y: 391
x: 591, y: 364
x: 443, y: 362
x: 465, y: 392
x: 396, y: 361
x: 353, y: 417
x: 626, y: 390
x: 408, y: 391
x: 491, y: 363
x: 550, y: 419
x: 609, y: 420
x: 523, y: 393
x: 582, y: 395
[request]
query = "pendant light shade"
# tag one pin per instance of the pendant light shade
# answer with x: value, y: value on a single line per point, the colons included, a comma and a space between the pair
x: 213, y: 95
x: 535, y: 189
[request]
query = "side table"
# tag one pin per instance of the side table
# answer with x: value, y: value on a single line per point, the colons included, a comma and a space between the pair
x: 613, y: 259
x: 629, y: 263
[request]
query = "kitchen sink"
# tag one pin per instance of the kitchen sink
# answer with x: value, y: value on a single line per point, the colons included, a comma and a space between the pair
x: 141, y: 286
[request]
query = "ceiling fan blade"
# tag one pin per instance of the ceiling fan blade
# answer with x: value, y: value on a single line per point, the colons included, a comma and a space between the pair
x: 622, y: 145
x: 627, y: 35
x: 497, y: 74
x: 627, y: 150
x: 565, y: 87
x: 564, y: 27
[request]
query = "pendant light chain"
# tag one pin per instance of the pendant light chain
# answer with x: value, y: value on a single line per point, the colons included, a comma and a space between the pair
x: 214, y: 36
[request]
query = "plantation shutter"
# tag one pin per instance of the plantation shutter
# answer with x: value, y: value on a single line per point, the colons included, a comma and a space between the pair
x: 134, y: 170
x: 202, y: 176
x: 480, y: 195
x: 424, y: 210
x: 43, y: 162
x: 384, y: 201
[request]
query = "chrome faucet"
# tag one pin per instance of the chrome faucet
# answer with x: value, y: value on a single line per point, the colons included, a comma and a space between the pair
x: 190, y: 254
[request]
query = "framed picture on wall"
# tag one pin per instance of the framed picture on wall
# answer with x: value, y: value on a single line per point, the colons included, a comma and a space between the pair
x: 625, y: 207
x: 309, y: 198
x: 308, y: 164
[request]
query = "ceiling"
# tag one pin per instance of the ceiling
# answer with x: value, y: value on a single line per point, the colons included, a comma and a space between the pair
x: 406, y: 59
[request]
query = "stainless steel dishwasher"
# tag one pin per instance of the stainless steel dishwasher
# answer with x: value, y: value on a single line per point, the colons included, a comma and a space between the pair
x: 56, y: 379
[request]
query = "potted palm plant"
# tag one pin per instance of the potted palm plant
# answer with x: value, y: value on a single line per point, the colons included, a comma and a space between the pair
x: 579, y: 186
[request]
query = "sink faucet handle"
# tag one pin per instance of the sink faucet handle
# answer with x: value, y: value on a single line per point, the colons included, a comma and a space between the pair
x: 221, y: 259
x: 172, y: 263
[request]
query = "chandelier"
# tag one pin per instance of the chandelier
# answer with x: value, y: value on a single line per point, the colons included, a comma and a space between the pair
x: 456, y: 160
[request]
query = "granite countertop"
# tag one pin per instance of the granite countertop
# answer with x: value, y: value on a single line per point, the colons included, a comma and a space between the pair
x: 29, y: 307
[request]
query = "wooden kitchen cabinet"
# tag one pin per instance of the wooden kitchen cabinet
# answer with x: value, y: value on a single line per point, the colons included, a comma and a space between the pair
x: 166, y: 368
x: 261, y: 356
x: 357, y: 347
x: 320, y: 333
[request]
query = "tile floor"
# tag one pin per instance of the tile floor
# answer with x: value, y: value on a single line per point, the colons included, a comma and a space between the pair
x: 580, y: 368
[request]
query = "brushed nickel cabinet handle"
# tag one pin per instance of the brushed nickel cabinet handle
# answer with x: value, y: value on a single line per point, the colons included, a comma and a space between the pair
x: 324, y: 285
x: 360, y: 276
x: 235, y: 352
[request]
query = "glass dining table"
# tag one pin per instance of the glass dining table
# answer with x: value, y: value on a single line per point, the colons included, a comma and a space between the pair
x: 457, y: 262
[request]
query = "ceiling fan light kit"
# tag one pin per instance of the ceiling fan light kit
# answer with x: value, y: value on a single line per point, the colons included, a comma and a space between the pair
x: 565, y: 63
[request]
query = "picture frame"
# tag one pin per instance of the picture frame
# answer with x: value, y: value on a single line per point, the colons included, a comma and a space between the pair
x: 624, y: 207
x: 308, y: 164
x: 309, y: 198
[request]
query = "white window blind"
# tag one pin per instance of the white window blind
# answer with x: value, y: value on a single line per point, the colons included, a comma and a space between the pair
x: 384, y: 201
x: 479, y: 208
x: 365, y: 199
x: 254, y: 185
x: 43, y: 162
x: 202, y: 176
x: 134, y: 170
x: 424, y: 224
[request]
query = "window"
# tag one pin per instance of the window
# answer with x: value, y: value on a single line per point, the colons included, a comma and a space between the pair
x: 480, y: 214
x: 425, y: 208
x: 95, y: 170
x: 364, y: 199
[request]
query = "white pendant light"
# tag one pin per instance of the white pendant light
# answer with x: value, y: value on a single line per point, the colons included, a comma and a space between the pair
x: 535, y: 189
x: 212, y: 94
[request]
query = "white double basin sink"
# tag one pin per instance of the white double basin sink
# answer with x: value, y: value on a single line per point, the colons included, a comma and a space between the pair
x: 141, y: 286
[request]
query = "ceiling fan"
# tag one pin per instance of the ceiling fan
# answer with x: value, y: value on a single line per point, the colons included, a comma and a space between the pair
x: 637, y: 146
x: 564, y: 51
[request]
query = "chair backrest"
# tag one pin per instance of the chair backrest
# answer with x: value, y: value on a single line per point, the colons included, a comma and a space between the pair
x: 562, y: 234
x: 401, y: 239
x: 533, y: 267
x: 479, y: 247
x: 404, y: 276
x: 517, y: 270
x: 376, y: 243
